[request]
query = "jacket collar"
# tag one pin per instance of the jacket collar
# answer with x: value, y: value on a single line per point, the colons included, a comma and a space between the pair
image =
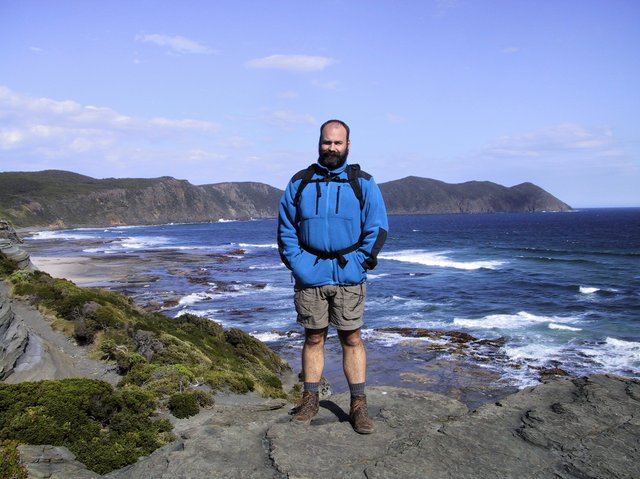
x: 323, y: 170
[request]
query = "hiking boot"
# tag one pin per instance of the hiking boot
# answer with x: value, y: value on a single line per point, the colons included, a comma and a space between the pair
x: 359, y: 416
x: 307, y: 408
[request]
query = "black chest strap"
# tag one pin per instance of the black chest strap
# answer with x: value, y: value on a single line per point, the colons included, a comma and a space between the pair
x: 339, y: 255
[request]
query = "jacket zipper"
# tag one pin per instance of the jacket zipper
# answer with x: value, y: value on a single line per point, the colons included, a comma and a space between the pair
x: 338, y: 200
x: 318, y: 195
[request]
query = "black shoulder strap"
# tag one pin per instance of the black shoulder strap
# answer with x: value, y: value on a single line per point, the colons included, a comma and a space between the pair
x: 305, y: 176
x: 353, y: 174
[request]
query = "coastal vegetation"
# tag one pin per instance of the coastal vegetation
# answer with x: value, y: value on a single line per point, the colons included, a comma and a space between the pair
x: 105, y: 428
x: 173, y: 364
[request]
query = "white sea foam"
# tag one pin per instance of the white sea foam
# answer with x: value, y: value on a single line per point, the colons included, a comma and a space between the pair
x: 588, y: 290
x: 616, y: 355
x: 194, y: 298
x: 128, y: 227
x: 376, y: 276
x: 266, y: 337
x: 131, y: 243
x: 533, y: 352
x: 272, y: 289
x: 251, y: 245
x: 563, y: 327
x: 388, y: 339
x: 63, y: 235
x: 511, y: 321
x: 439, y: 259
x: 267, y: 267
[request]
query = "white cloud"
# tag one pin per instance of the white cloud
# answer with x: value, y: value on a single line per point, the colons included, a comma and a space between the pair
x: 287, y: 119
x: 175, y: 43
x: 510, y: 50
x: 292, y: 63
x: 34, y: 129
x: 550, y: 141
x: 236, y: 143
x: 327, y: 85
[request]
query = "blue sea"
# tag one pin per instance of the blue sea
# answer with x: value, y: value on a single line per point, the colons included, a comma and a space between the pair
x: 537, y: 290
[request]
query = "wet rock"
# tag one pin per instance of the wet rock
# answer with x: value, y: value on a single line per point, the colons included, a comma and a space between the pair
x: 451, y: 336
x: 549, y: 373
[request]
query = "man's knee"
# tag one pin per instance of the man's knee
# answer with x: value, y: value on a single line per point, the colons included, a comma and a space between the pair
x: 350, y: 339
x: 315, y: 337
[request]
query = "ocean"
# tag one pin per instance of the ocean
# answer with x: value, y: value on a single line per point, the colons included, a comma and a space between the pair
x: 536, y: 290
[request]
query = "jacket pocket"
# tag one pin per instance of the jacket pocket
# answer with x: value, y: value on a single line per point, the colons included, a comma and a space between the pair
x: 309, y: 271
x: 353, y: 272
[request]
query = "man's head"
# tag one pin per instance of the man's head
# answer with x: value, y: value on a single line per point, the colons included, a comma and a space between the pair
x: 333, y: 147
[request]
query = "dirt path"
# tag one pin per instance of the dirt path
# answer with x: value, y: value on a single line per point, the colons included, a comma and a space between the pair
x: 50, y: 354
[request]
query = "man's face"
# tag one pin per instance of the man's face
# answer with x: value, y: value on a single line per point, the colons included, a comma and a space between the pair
x: 334, y: 146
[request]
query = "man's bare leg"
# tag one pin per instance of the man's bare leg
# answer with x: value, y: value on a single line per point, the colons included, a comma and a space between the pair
x: 354, y: 356
x: 354, y: 361
x: 313, y: 354
x: 312, y: 367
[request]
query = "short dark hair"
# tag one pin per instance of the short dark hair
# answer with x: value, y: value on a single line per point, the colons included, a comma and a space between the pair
x: 340, y: 122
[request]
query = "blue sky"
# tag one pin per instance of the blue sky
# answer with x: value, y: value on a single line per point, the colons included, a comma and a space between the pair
x: 210, y: 91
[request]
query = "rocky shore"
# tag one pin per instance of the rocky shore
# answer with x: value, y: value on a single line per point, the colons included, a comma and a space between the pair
x: 563, y: 428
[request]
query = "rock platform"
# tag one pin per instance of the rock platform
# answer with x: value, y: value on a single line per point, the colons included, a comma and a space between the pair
x: 564, y: 428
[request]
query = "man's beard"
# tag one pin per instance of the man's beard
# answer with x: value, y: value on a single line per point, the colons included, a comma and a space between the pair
x: 332, y: 159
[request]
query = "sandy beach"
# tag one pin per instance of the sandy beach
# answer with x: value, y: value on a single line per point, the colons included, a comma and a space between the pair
x: 83, y: 271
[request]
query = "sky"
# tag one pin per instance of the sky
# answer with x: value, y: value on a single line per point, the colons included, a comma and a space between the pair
x: 506, y: 91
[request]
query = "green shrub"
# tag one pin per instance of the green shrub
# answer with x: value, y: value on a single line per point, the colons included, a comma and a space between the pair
x: 105, y: 429
x: 10, y: 467
x: 204, y: 398
x: 138, y: 375
x: 230, y: 380
x: 7, y: 267
x: 183, y: 405
x: 188, y: 403
x: 127, y: 361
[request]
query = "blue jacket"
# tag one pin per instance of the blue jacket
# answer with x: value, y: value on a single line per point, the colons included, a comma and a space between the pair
x: 327, y: 219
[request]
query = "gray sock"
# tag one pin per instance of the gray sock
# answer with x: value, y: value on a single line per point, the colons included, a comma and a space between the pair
x: 356, y: 389
x: 312, y: 387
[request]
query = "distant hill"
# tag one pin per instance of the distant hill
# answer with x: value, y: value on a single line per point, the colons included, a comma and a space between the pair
x: 54, y: 198
x: 413, y: 195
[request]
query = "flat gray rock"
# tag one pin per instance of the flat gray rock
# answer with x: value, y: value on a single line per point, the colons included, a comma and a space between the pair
x: 582, y: 428
x: 587, y: 428
x: 330, y: 445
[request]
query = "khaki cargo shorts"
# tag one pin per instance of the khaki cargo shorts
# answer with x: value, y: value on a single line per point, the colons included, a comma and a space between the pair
x: 342, y: 306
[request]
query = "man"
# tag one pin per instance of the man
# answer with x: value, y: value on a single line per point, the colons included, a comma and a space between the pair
x: 332, y: 225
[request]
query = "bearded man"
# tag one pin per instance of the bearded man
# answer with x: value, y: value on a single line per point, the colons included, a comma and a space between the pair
x: 332, y: 224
